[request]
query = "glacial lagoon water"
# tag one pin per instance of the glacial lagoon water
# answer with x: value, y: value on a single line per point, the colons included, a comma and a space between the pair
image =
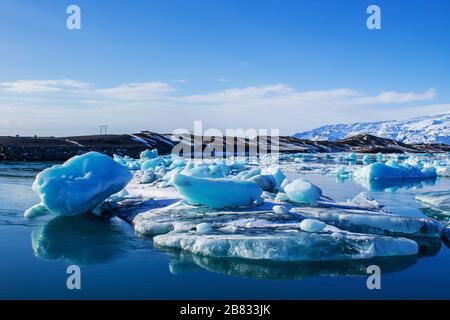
x: 118, y: 264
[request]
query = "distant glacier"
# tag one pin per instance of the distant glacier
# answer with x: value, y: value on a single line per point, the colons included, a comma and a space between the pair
x: 425, y: 129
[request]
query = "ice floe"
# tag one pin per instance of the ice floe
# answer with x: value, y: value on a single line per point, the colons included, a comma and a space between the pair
x: 254, y: 210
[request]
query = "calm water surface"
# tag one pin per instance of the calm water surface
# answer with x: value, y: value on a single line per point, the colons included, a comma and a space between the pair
x: 116, y: 263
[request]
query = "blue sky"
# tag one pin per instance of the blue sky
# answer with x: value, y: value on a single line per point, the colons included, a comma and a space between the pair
x: 161, y: 64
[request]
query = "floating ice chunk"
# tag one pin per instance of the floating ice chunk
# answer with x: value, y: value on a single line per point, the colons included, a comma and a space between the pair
x: 281, y: 197
x: 439, y: 200
x: 151, y: 164
x: 151, y: 228
x: 259, y: 201
x: 148, y: 177
x: 352, y: 157
x: 245, y: 175
x: 285, y: 183
x: 149, y: 154
x: 277, y: 174
x: 203, y: 228
x: 280, y: 209
x: 312, y: 225
x: 217, y: 171
x: 367, y: 159
x: 105, y: 209
x: 177, y: 163
x: 302, y: 191
x: 198, y: 171
x: 133, y: 165
x: 36, y: 211
x: 300, y: 246
x: 266, y: 182
x: 342, y: 172
x: 120, y: 160
x: 217, y: 193
x: 392, y: 170
x: 366, y: 201
x: 370, y: 222
x: 443, y: 171
x: 81, y: 183
x: 380, y: 157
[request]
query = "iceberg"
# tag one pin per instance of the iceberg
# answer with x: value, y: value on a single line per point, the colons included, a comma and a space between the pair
x: 80, y: 184
x: 392, y: 170
x: 302, y: 191
x: 216, y: 193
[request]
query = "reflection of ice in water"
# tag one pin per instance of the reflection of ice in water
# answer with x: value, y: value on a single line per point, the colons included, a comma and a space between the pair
x: 182, y: 262
x: 82, y: 239
x: 394, y: 185
x: 435, y: 204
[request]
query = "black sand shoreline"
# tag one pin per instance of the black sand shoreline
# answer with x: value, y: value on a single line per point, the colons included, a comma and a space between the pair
x: 63, y: 148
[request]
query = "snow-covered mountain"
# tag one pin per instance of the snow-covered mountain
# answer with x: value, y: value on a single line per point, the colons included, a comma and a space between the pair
x: 426, y: 129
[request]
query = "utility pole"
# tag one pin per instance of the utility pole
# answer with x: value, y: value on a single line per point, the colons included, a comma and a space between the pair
x: 103, y: 128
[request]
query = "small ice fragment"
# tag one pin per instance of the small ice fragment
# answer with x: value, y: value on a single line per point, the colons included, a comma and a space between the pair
x: 36, y: 211
x: 281, y: 197
x: 148, y: 177
x: 149, y: 154
x: 266, y: 182
x: 366, y: 201
x: 203, y: 228
x: 312, y: 225
x: 280, y: 209
x: 259, y: 201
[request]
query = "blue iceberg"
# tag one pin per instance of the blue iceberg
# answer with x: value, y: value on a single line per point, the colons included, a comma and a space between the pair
x: 80, y: 184
x: 392, y: 170
x: 216, y: 193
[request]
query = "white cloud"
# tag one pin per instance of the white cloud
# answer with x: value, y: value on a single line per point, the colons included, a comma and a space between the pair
x: 239, y: 94
x: 42, y: 86
x: 223, y: 80
x: 155, y: 106
x: 397, y: 97
x: 137, y: 91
